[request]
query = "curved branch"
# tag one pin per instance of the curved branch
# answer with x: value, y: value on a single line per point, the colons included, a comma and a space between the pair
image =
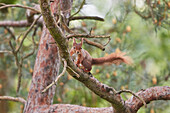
x: 20, y: 6
x: 148, y: 95
x: 81, y: 6
x: 15, y: 99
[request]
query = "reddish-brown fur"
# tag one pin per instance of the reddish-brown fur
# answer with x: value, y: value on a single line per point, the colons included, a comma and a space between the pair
x: 84, y: 60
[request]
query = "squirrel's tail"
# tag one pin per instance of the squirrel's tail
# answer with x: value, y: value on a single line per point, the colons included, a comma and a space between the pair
x: 114, y: 58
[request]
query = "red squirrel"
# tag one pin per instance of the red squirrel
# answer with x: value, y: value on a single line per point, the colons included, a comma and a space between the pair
x: 84, y: 60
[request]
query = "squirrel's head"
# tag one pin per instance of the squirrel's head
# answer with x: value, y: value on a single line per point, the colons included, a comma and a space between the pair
x: 77, y: 46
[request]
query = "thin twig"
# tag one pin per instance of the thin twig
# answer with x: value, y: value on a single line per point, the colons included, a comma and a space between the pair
x: 95, y: 44
x: 12, y: 34
x: 128, y: 91
x: 20, y: 6
x: 86, y: 17
x: 107, y: 42
x: 34, y: 45
x: 81, y: 6
x: 26, y: 33
x: 53, y: 83
x: 87, y: 36
x: 77, y: 75
x: 15, y: 99
x: 21, y: 61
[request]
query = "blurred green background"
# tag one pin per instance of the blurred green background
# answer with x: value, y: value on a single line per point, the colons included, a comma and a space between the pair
x: 146, y: 40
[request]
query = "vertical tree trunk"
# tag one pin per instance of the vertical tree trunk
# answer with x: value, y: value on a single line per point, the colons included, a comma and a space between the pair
x: 45, y: 70
x: 46, y: 65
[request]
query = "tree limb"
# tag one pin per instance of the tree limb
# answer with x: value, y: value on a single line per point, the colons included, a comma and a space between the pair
x: 20, y: 6
x: 15, y: 99
x: 95, y: 44
x: 148, y: 95
x: 87, y: 36
x: 128, y: 91
x: 86, y: 17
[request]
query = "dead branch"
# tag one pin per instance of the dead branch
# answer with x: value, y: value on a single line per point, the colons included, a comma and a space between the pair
x: 95, y: 44
x: 87, y: 36
x: 148, y: 95
x: 53, y: 83
x: 15, y: 99
x: 21, y: 23
x: 128, y: 91
x: 8, y: 23
x: 86, y: 17
x: 107, y: 42
x: 20, y: 6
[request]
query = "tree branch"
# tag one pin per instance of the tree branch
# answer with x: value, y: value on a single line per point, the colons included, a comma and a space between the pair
x: 26, y: 33
x: 21, y: 23
x: 95, y: 44
x: 87, y: 36
x: 128, y: 91
x: 15, y: 99
x: 20, y: 6
x: 81, y: 6
x: 148, y: 95
x: 86, y: 17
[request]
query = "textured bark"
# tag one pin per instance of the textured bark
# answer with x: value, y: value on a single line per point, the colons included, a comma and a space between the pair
x: 22, y: 23
x: 45, y: 70
x: 148, y: 95
x: 67, y: 108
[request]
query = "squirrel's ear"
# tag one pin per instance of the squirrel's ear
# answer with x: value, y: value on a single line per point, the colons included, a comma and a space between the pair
x: 82, y: 41
x: 74, y: 40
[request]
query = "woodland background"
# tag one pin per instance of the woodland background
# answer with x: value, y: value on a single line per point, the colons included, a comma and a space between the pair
x: 146, y: 40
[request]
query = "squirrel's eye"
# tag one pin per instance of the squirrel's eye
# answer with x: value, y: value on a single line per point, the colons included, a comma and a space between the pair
x: 80, y: 48
x: 74, y: 47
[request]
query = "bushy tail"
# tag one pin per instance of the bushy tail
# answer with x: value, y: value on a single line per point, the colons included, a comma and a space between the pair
x: 114, y: 58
